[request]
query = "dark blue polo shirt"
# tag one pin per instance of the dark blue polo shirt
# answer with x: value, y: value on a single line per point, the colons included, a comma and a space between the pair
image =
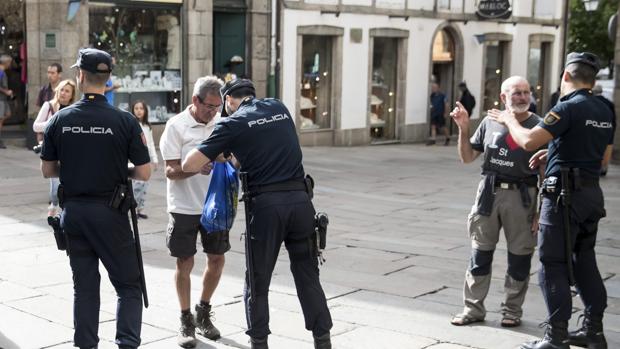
x: 582, y: 126
x: 262, y: 136
x: 93, y: 142
x: 438, y: 104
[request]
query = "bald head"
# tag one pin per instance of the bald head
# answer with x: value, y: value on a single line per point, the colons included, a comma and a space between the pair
x: 516, y: 94
x: 512, y: 81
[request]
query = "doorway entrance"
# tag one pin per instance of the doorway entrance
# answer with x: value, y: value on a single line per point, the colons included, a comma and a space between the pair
x: 229, y: 45
x: 443, y: 72
x: 12, y: 44
x: 384, y: 89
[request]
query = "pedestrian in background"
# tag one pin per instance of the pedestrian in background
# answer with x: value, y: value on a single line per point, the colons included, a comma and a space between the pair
x: 467, y: 99
x: 141, y: 111
x: 439, y: 112
x: 65, y: 95
x: 6, y: 94
x: 54, y: 76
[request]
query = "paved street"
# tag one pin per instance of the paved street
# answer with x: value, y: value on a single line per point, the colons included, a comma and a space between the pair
x: 398, y: 249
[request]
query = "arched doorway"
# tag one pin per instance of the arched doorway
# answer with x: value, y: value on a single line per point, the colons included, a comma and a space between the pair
x: 447, y: 65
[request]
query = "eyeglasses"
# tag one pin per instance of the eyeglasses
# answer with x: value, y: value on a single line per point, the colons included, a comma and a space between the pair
x: 210, y: 107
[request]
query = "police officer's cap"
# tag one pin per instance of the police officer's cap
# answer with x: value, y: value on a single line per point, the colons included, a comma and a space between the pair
x: 235, y: 85
x: 586, y: 58
x: 92, y: 60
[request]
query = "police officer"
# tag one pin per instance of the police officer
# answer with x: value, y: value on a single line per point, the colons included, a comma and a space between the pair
x: 88, y: 145
x: 506, y: 200
x: 578, y: 129
x: 262, y: 136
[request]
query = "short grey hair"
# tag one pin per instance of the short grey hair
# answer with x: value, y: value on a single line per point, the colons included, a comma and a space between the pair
x: 207, y: 85
x: 511, y: 81
x: 5, y: 58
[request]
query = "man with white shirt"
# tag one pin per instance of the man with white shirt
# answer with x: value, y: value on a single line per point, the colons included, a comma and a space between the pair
x: 186, y: 192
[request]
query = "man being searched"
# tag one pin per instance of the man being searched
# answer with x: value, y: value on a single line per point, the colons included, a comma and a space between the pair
x: 506, y: 200
x: 262, y: 136
x: 186, y: 192
x: 578, y: 131
x: 88, y: 145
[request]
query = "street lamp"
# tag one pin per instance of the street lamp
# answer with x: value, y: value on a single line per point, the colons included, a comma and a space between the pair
x: 590, y: 5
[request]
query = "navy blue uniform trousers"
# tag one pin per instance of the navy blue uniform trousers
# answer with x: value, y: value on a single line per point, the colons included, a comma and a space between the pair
x: 587, y: 208
x: 96, y: 232
x: 287, y: 217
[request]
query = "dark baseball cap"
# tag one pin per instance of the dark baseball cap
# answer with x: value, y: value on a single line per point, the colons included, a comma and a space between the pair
x: 586, y: 58
x: 235, y: 85
x: 232, y: 86
x: 90, y: 59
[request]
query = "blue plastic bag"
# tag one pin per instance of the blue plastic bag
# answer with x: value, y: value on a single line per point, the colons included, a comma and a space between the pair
x: 220, y: 206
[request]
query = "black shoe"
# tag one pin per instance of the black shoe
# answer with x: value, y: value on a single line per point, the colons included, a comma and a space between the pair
x: 187, y: 332
x: 555, y: 337
x: 259, y: 343
x: 590, y: 335
x: 204, y: 324
x: 142, y: 215
x: 447, y: 141
x: 323, y: 342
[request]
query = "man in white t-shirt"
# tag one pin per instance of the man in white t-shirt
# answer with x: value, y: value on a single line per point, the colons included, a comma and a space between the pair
x: 186, y: 193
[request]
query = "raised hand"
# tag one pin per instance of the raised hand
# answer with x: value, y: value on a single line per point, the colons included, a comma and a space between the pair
x: 460, y: 116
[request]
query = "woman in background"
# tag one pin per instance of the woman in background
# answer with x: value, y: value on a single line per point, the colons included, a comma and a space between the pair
x: 64, y: 95
x: 140, y: 110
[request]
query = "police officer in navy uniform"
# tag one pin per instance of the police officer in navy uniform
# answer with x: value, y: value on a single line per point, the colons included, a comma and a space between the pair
x: 261, y: 134
x: 88, y: 145
x: 579, y: 130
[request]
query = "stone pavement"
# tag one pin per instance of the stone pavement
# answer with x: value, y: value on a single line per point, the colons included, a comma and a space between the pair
x: 398, y: 249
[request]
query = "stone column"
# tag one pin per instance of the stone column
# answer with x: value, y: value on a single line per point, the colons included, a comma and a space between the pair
x: 51, y: 38
x: 616, y: 153
x: 258, y: 38
x: 197, y: 42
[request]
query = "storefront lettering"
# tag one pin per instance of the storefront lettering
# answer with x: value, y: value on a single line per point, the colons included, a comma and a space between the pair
x: 493, y: 9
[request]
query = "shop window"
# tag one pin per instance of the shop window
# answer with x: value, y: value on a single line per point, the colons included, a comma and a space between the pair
x: 315, y: 99
x: 382, y: 116
x: 146, y: 44
x: 537, y: 69
x: 494, y: 73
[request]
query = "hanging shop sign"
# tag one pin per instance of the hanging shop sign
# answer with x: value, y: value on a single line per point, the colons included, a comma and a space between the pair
x: 493, y: 9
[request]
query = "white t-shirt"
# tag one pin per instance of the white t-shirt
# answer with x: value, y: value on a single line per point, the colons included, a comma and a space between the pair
x: 182, y: 134
x: 148, y: 134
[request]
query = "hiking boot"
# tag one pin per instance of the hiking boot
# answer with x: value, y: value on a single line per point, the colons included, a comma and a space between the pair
x: 323, y: 342
x: 187, y: 332
x: 590, y: 335
x: 259, y: 343
x: 204, y: 324
x: 555, y: 337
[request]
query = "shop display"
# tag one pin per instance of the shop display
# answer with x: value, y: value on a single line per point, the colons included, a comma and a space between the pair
x: 146, y: 44
x: 315, y: 89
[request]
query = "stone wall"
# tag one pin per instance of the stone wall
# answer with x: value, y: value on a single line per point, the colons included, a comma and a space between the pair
x: 258, y: 38
x: 197, y: 42
x: 51, y: 38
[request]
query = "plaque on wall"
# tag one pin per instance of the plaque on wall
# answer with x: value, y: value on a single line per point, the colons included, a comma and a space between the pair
x: 493, y: 9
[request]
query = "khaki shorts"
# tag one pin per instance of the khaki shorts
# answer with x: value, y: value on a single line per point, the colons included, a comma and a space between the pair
x: 508, y: 213
x: 183, y: 231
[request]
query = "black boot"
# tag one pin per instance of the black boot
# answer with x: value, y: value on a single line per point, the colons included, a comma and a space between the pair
x: 323, y: 342
x: 555, y: 337
x: 259, y: 343
x: 590, y: 335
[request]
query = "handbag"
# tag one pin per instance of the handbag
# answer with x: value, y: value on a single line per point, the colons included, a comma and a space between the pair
x: 221, y: 201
